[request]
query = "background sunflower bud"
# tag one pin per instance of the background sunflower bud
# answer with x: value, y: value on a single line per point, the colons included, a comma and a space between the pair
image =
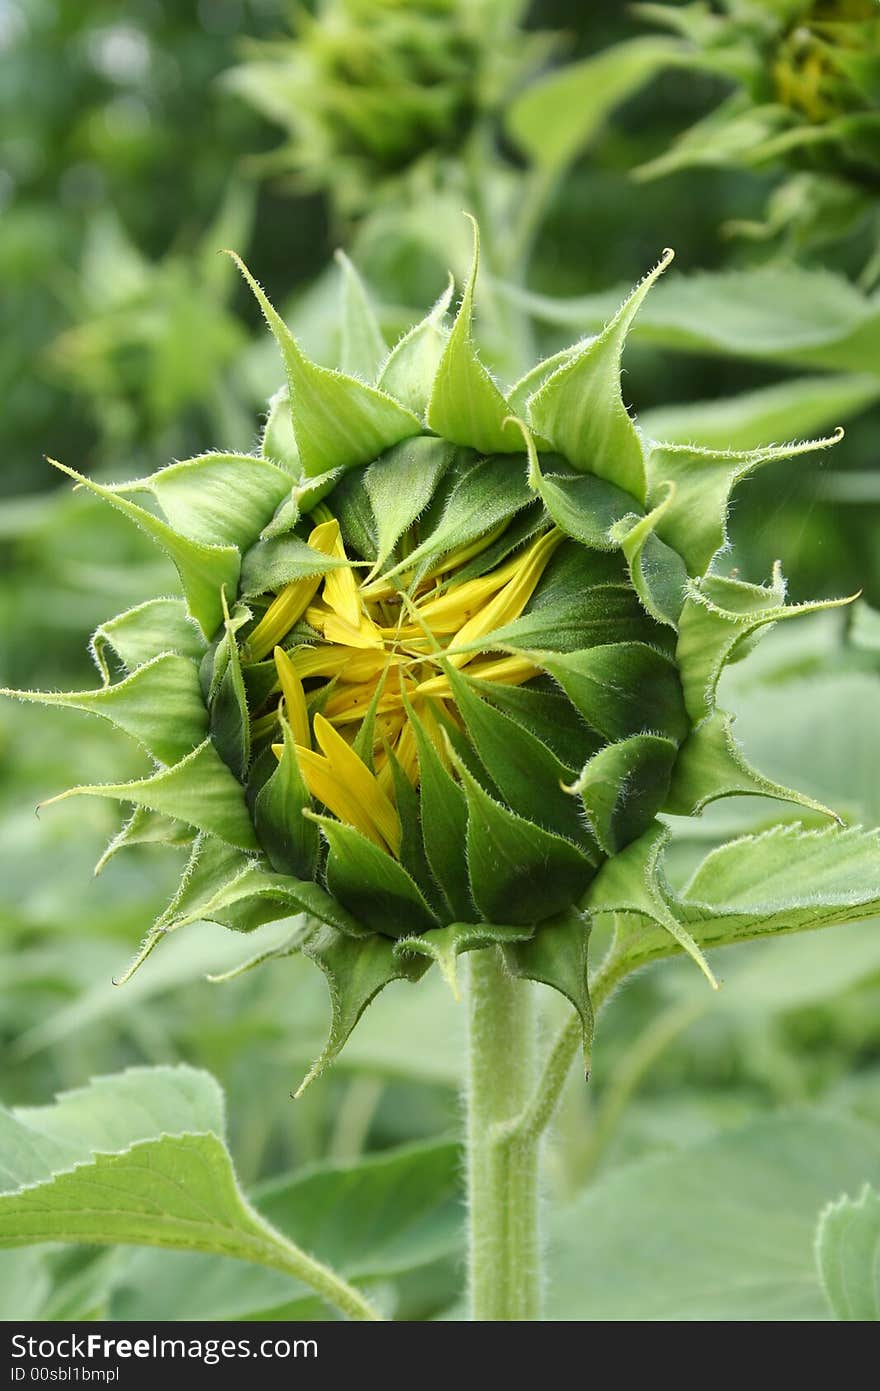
x: 444, y: 655
x: 365, y: 88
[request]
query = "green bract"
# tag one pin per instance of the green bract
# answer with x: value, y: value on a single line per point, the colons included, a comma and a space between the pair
x: 444, y: 655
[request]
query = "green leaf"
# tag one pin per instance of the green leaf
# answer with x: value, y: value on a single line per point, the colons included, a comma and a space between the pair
x: 520, y: 874
x: 409, y: 372
x: 276, y: 561
x: 722, y: 1232
x: 580, y: 409
x: 144, y: 632
x: 338, y: 421
x: 401, y: 484
x: 356, y: 971
x: 160, y: 705
x: 199, y: 790
x: 622, y: 688
x: 371, y: 885
x: 363, y: 348
x: 781, y: 313
x: 783, y: 880
x: 557, y: 956
x: 583, y: 506
x: 446, y: 944
x: 711, y: 765
x: 139, y: 1158
x: 848, y: 1256
x: 219, y: 499
x: 555, y: 117
x: 388, y: 1216
x: 146, y: 828
x: 466, y: 406
x: 204, y: 570
x: 783, y: 411
x: 702, y: 480
x: 623, y: 787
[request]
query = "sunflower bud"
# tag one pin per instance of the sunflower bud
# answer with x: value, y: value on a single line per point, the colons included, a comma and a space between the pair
x: 364, y: 88
x: 444, y: 654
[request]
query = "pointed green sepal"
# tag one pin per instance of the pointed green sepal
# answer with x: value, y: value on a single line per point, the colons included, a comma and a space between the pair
x: 400, y: 485
x: 230, y: 718
x: 693, y: 522
x: 375, y: 888
x: 632, y: 887
x: 203, y: 569
x: 219, y: 499
x: 289, y: 839
x: 583, y: 506
x: 444, y: 825
x: 363, y: 349
x: 519, y: 873
x: 199, y: 790
x: 623, y: 787
x: 556, y: 956
x: 711, y: 765
x: 145, y: 827
x: 160, y: 705
x: 145, y: 632
x: 466, y: 406
x: 355, y: 971
x: 658, y: 573
x: 338, y: 421
x: 580, y: 409
x: 719, y: 620
x: 622, y: 688
x: 409, y: 372
x: 446, y: 944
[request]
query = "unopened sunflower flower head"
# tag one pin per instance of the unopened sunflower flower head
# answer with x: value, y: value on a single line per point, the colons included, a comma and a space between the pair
x: 365, y: 88
x: 443, y: 657
x: 805, y: 96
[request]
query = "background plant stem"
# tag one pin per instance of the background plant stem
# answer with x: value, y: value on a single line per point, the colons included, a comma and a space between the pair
x: 502, y: 1162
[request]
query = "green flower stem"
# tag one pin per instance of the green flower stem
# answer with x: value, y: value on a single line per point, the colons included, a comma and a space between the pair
x: 504, y: 1256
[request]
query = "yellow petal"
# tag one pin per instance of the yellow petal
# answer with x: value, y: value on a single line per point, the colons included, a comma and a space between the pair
x: 294, y: 698
x: 350, y: 702
x: 323, y: 782
x: 510, y: 601
x: 358, y: 783
x: 283, y: 612
x: 340, y: 587
x: 506, y: 671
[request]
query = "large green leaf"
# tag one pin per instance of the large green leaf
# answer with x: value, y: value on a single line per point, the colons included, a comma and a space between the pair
x: 848, y: 1256
x: 787, y: 410
x: 720, y: 1233
x: 779, y: 313
x: 783, y: 880
x: 391, y: 1217
x: 555, y: 117
x: 137, y: 1158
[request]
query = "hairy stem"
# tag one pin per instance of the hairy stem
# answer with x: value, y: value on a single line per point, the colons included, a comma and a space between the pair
x: 502, y: 1164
